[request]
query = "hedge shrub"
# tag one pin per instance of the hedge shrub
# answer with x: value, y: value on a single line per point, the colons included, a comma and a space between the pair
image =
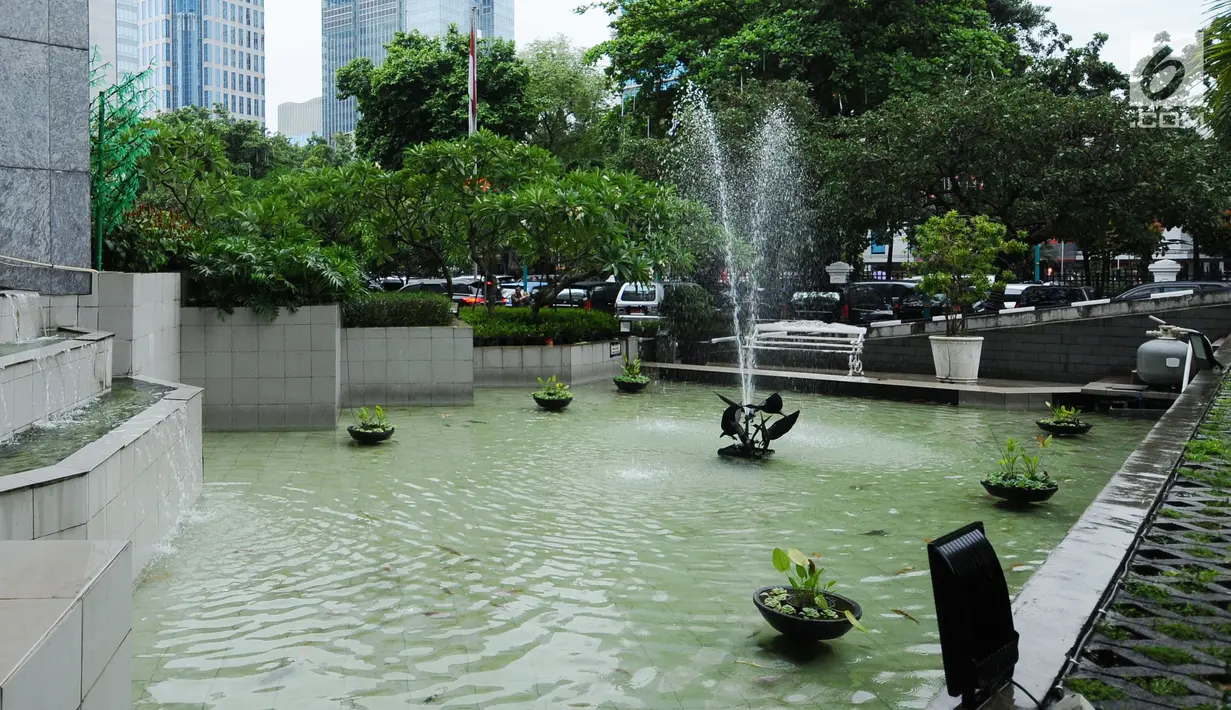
x: 413, y: 309
x: 563, y: 325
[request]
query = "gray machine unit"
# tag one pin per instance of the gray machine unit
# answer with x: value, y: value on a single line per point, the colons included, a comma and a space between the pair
x: 1174, y: 357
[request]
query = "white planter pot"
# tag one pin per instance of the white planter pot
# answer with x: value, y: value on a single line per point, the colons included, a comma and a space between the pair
x: 956, y: 359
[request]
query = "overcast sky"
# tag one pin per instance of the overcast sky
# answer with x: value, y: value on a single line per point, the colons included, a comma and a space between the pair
x: 293, y: 33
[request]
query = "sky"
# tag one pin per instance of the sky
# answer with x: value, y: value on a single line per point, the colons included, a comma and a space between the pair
x: 293, y: 33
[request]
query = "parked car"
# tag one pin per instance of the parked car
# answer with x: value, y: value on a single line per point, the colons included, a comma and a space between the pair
x: 641, y: 302
x: 814, y: 305
x: 873, y: 301
x: 1145, y: 291
x: 1054, y: 296
x: 920, y: 307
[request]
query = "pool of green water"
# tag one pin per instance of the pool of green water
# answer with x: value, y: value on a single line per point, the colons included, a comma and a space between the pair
x: 34, y: 344
x: 53, y: 441
x: 497, y: 556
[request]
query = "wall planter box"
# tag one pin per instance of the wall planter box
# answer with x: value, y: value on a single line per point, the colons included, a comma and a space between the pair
x: 407, y: 366
x: 522, y: 366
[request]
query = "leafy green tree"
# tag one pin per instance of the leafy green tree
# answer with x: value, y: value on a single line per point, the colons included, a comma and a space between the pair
x: 332, y: 203
x: 321, y: 153
x: 187, y: 169
x: 570, y: 97
x: 852, y: 55
x: 473, y: 182
x: 419, y: 93
x: 415, y: 225
x: 1218, y: 67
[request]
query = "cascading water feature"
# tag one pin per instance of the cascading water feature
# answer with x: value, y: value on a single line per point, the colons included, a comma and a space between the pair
x: 27, y: 314
x: 756, y: 192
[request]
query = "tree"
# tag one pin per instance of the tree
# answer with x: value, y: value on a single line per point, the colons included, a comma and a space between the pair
x: 473, y: 182
x: 1045, y: 166
x: 332, y: 203
x: 1218, y: 66
x: 957, y: 259
x: 419, y: 93
x: 852, y: 55
x: 187, y: 169
x: 570, y: 97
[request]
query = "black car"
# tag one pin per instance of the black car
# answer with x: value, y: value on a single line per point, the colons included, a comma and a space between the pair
x: 1145, y: 291
x: 920, y: 307
x: 599, y: 295
x: 1054, y: 296
x: 814, y: 305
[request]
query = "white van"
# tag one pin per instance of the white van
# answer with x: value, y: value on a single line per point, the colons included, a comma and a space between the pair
x: 639, y: 302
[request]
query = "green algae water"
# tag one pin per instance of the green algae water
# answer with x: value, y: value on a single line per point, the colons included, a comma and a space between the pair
x: 497, y: 556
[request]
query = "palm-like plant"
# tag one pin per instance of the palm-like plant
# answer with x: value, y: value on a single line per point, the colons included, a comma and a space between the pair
x: 1218, y: 66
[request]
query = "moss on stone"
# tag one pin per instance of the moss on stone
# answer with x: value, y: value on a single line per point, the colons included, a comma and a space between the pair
x: 1201, y: 537
x: 1178, y: 630
x: 1202, y: 552
x: 1172, y: 513
x: 1167, y: 655
x: 1094, y: 690
x: 1163, y: 687
x: 1115, y: 633
x: 1148, y: 591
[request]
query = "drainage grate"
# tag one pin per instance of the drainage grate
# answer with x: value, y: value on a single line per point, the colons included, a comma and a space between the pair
x: 1165, y: 640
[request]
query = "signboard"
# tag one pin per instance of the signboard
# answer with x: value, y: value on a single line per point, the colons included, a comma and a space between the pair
x: 617, y: 349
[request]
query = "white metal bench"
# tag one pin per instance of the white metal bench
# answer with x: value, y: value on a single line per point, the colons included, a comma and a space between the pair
x: 810, y: 336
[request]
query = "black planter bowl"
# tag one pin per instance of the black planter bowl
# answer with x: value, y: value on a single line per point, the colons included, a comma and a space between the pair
x: 369, y: 438
x: 797, y: 628
x: 552, y: 405
x: 1064, y: 429
x: 736, y: 451
x: 1020, y: 495
x: 625, y: 386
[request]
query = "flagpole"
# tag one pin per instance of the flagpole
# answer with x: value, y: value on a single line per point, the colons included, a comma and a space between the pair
x: 474, y: 67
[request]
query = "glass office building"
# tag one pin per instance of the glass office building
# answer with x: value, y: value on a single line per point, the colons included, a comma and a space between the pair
x: 205, y: 53
x: 361, y: 28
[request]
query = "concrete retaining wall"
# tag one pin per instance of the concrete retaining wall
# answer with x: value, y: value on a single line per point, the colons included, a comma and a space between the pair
x: 522, y: 366
x: 263, y: 375
x: 143, y: 311
x: 132, y: 483
x: 65, y: 625
x: 415, y: 366
x: 1076, y: 345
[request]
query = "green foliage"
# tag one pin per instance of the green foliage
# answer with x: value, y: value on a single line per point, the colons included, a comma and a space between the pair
x: 419, y: 93
x: 149, y: 240
x: 1164, y: 687
x: 374, y: 420
x: 631, y: 371
x: 689, y: 313
x: 269, y: 274
x: 551, y: 388
x: 119, y: 141
x: 1179, y: 630
x: 1205, y: 450
x: 807, y: 594
x: 569, y: 96
x: 957, y: 258
x: 1116, y: 633
x: 398, y: 310
x: 1148, y: 591
x: 1061, y: 414
x: 1094, y: 690
x: 1020, y: 470
x: 563, y: 325
x: 1218, y: 66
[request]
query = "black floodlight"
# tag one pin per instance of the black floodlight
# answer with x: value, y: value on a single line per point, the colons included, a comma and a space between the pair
x: 977, y: 639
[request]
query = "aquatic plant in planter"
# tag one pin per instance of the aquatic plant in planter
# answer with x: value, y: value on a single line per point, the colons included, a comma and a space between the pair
x: 552, y: 395
x: 630, y: 378
x: 1019, y: 479
x: 807, y: 609
x: 370, y: 427
x: 739, y: 421
x: 1064, y: 421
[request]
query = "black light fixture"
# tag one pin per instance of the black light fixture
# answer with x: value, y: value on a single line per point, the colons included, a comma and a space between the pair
x: 977, y: 640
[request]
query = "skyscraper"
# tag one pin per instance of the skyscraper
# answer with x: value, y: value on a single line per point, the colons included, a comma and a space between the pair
x: 361, y: 28
x: 114, y: 33
x: 206, y: 52
x: 300, y: 121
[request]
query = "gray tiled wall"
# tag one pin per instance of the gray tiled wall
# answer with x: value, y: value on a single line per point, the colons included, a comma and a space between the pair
x: 143, y: 311
x: 35, y: 385
x: 416, y: 366
x: 44, y: 143
x: 522, y: 366
x: 262, y: 375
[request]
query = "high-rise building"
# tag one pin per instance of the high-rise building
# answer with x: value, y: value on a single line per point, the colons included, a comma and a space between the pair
x: 351, y: 29
x: 114, y: 33
x: 300, y: 121
x: 205, y: 53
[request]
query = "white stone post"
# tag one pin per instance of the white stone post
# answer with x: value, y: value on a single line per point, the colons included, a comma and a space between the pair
x: 1165, y: 270
x: 839, y: 272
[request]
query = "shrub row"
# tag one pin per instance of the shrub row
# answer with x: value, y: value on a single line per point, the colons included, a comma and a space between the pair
x: 521, y: 326
x: 398, y: 310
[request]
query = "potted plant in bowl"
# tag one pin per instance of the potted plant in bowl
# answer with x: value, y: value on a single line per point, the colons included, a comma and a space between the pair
x: 1019, y: 479
x: 957, y: 260
x: 1064, y: 421
x: 370, y: 427
x: 631, y: 379
x: 552, y: 395
x: 806, y: 609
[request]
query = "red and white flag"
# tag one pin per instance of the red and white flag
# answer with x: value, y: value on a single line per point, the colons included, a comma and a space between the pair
x: 474, y: 68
